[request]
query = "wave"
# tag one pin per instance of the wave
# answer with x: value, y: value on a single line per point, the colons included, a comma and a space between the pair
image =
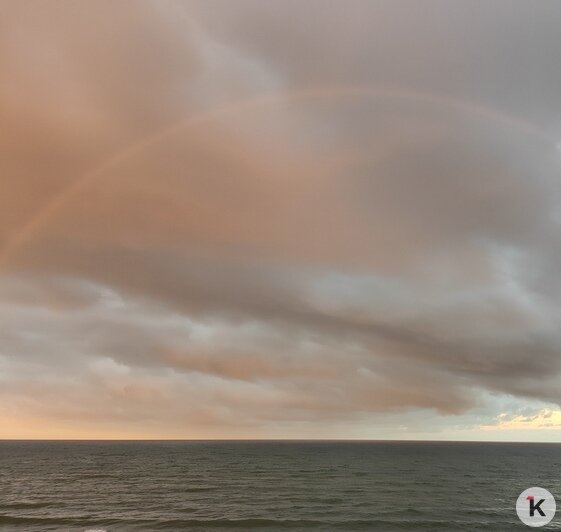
x: 22, y: 505
x: 243, y: 524
x: 200, y: 488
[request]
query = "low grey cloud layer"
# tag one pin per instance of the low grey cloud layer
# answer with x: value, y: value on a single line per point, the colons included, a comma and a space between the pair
x: 280, y: 219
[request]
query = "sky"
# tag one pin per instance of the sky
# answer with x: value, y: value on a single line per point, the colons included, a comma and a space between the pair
x: 280, y: 219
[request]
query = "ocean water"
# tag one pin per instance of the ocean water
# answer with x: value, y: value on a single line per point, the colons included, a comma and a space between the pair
x: 129, y: 486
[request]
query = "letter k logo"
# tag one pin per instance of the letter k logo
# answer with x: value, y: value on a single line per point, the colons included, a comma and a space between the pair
x: 535, y: 507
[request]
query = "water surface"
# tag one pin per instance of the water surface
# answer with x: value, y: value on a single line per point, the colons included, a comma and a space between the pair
x: 129, y: 486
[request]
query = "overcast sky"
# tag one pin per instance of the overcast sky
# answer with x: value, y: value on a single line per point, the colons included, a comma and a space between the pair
x: 280, y: 219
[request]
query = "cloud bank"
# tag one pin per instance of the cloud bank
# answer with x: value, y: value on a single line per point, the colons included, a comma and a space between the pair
x: 281, y: 219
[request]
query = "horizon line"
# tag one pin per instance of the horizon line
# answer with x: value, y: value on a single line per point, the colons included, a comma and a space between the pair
x: 268, y: 440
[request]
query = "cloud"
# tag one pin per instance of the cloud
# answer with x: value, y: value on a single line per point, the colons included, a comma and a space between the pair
x: 221, y: 220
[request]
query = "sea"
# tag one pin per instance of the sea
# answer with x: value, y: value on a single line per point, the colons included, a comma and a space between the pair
x: 270, y: 485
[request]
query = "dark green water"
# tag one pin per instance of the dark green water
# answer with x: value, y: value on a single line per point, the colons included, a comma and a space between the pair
x: 122, y: 486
